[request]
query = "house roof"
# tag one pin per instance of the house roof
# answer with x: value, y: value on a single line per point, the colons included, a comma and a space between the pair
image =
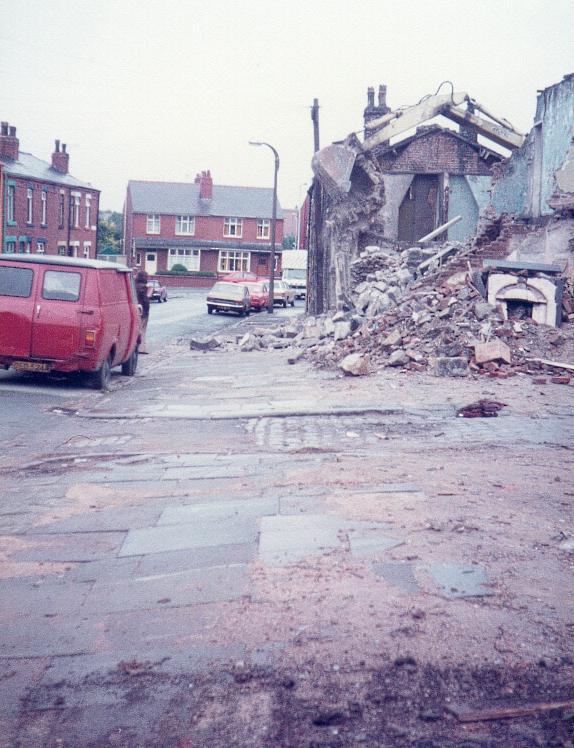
x: 29, y: 166
x: 182, y: 198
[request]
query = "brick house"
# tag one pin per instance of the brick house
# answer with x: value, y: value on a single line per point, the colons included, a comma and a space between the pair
x: 431, y: 177
x: 205, y: 227
x: 45, y: 210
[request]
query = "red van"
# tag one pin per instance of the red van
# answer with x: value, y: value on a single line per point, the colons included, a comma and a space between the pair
x: 68, y: 314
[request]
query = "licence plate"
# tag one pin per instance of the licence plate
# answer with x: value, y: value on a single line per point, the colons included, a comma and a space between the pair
x: 30, y: 366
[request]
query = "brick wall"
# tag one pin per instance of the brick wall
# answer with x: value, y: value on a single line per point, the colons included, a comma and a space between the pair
x: 206, y: 227
x: 50, y: 232
x: 435, y: 152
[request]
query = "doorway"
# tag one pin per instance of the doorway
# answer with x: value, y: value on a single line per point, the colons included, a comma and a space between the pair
x: 150, y: 263
x: 418, y: 210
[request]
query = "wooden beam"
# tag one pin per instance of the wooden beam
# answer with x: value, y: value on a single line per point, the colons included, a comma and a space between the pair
x: 464, y: 714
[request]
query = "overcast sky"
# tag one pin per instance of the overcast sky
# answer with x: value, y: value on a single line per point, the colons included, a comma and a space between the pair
x: 161, y: 89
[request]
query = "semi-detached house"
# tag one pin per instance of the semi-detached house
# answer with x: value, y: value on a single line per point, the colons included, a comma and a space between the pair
x: 202, y: 226
x: 44, y: 209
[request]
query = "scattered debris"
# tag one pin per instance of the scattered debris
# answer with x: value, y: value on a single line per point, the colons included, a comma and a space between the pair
x: 481, y: 409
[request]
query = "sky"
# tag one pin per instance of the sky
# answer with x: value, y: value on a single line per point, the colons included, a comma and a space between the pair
x: 163, y: 89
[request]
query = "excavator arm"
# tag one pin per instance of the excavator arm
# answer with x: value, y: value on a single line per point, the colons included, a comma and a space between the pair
x: 333, y: 165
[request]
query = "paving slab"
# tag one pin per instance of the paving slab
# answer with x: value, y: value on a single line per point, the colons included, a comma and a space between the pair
x: 398, y: 574
x: 38, y: 636
x: 69, y: 546
x: 216, y: 511
x: 21, y: 597
x: 190, y: 587
x: 194, y: 558
x: 196, y: 535
x: 460, y: 580
x: 215, y: 470
x: 287, y: 539
x: 102, y: 520
x: 372, y: 542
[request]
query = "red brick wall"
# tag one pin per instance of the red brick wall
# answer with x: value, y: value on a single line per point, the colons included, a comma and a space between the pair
x: 51, y: 233
x: 184, y: 281
x: 436, y: 152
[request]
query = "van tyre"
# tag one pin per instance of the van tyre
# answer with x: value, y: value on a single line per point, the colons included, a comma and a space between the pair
x: 209, y: 309
x: 129, y: 367
x: 103, y: 376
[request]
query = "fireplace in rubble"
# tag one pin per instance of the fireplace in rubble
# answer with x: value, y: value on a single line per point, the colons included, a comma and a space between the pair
x: 526, y: 290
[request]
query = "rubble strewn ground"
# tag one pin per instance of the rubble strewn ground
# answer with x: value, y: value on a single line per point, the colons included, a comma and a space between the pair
x: 407, y: 314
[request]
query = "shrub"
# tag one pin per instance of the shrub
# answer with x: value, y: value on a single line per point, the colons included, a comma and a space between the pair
x: 179, y: 269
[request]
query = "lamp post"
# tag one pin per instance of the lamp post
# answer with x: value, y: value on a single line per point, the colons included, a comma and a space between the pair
x: 273, y: 226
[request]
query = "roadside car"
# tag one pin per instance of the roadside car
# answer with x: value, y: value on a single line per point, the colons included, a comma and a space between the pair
x: 158, y: 292
x: 229, y: 297
x: 67, y: 314
x: 258, y: 294
x: 283, y: 294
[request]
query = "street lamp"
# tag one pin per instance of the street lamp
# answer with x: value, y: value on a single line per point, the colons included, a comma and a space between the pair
x: 273, y: 224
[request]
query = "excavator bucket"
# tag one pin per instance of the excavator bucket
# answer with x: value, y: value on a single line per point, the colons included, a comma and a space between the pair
x: 333, y: 166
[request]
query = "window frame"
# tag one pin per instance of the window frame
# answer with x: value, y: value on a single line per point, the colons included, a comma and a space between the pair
x: 180, y: 229
x: 62, y: 210
x: 236, y: 258
x: 49, y: 273
x: 44, y: 204
x: 189, y: 257
x: 40, y: 247
x: 88, y: 207
x: 29, y: 205
x: 151, y: 220
x: 11, y: 203
x: 233, y: 227
x: 263, y: 228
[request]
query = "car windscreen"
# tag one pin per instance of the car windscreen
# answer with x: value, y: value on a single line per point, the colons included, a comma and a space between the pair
x: 232, y: 290
x: 295, y: 273
x: 61, y: 286
x: 257, y: 287
x: 16, y: 281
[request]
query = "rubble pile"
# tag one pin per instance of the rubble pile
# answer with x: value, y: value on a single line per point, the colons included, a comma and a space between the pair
x: 419, y: 310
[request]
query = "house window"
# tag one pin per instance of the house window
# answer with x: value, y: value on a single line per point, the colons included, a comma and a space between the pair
x: 10, y: 248
x: 62, y: 249
x: 25, y: 247
x: 75, y: 210
x: 233, y: 227
x: 153, y: 224
x: 61, y: 210
x: 44, y: 207
x: 185, y: 225
x: 230, y: 260
x: 41, y: 248
x: 139, y: 258
x: 29, y: 204
x: 10, y: 203
x: 87, y: 248
x: 88, y: 211
x: 263, y: 225
x: 189, y: 258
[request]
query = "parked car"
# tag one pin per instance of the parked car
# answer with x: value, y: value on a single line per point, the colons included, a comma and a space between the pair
x: 158, y: 292
x: 68, y: 314
x: 229, y: 297
x: 283, y: 294
x: 258, y: 294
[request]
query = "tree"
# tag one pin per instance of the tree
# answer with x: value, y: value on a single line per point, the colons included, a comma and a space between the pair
x: 289, y: 241
x: 110, y: 229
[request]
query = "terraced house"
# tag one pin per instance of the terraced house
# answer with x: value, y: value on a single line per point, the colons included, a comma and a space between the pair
x: 45, y: 210
x: 204, y: 227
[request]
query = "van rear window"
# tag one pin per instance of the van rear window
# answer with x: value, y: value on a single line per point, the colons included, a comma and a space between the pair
x: 60, y: 286
x: 16, y: 281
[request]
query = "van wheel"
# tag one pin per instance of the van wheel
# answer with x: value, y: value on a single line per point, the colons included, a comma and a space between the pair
x: 292, y: 302
x: 102, y: 377
x: 209, y: 309
x: 129, y: 367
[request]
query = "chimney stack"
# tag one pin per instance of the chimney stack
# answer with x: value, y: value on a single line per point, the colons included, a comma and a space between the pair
x: 205, y: 185
x: 372, y: 110
x: 468, y: 131
x: 60, y: 159
x: 9, y: 143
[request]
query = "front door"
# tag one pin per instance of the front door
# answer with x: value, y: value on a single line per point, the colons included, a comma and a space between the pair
x: 150, y: 263
x: 418, y: 211
x: 17, y: 292
x: 58, y: 313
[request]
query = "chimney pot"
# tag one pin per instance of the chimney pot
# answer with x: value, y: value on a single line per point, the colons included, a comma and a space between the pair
x: 382, y: 96
x: 63, y: 147
x: 60, y: 159
x: 206, y: 186
x: 9, y: 144
x: 4, y: 126
x: 57, y: 146
x: 370, y: 96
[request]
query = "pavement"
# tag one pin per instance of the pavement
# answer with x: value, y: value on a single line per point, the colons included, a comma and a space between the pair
x: 225, y: 512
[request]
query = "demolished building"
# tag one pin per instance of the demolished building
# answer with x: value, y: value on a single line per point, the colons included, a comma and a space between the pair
x: 388, y: 192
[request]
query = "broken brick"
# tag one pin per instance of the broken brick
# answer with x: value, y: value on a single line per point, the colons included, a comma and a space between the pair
x: 560, y: 379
